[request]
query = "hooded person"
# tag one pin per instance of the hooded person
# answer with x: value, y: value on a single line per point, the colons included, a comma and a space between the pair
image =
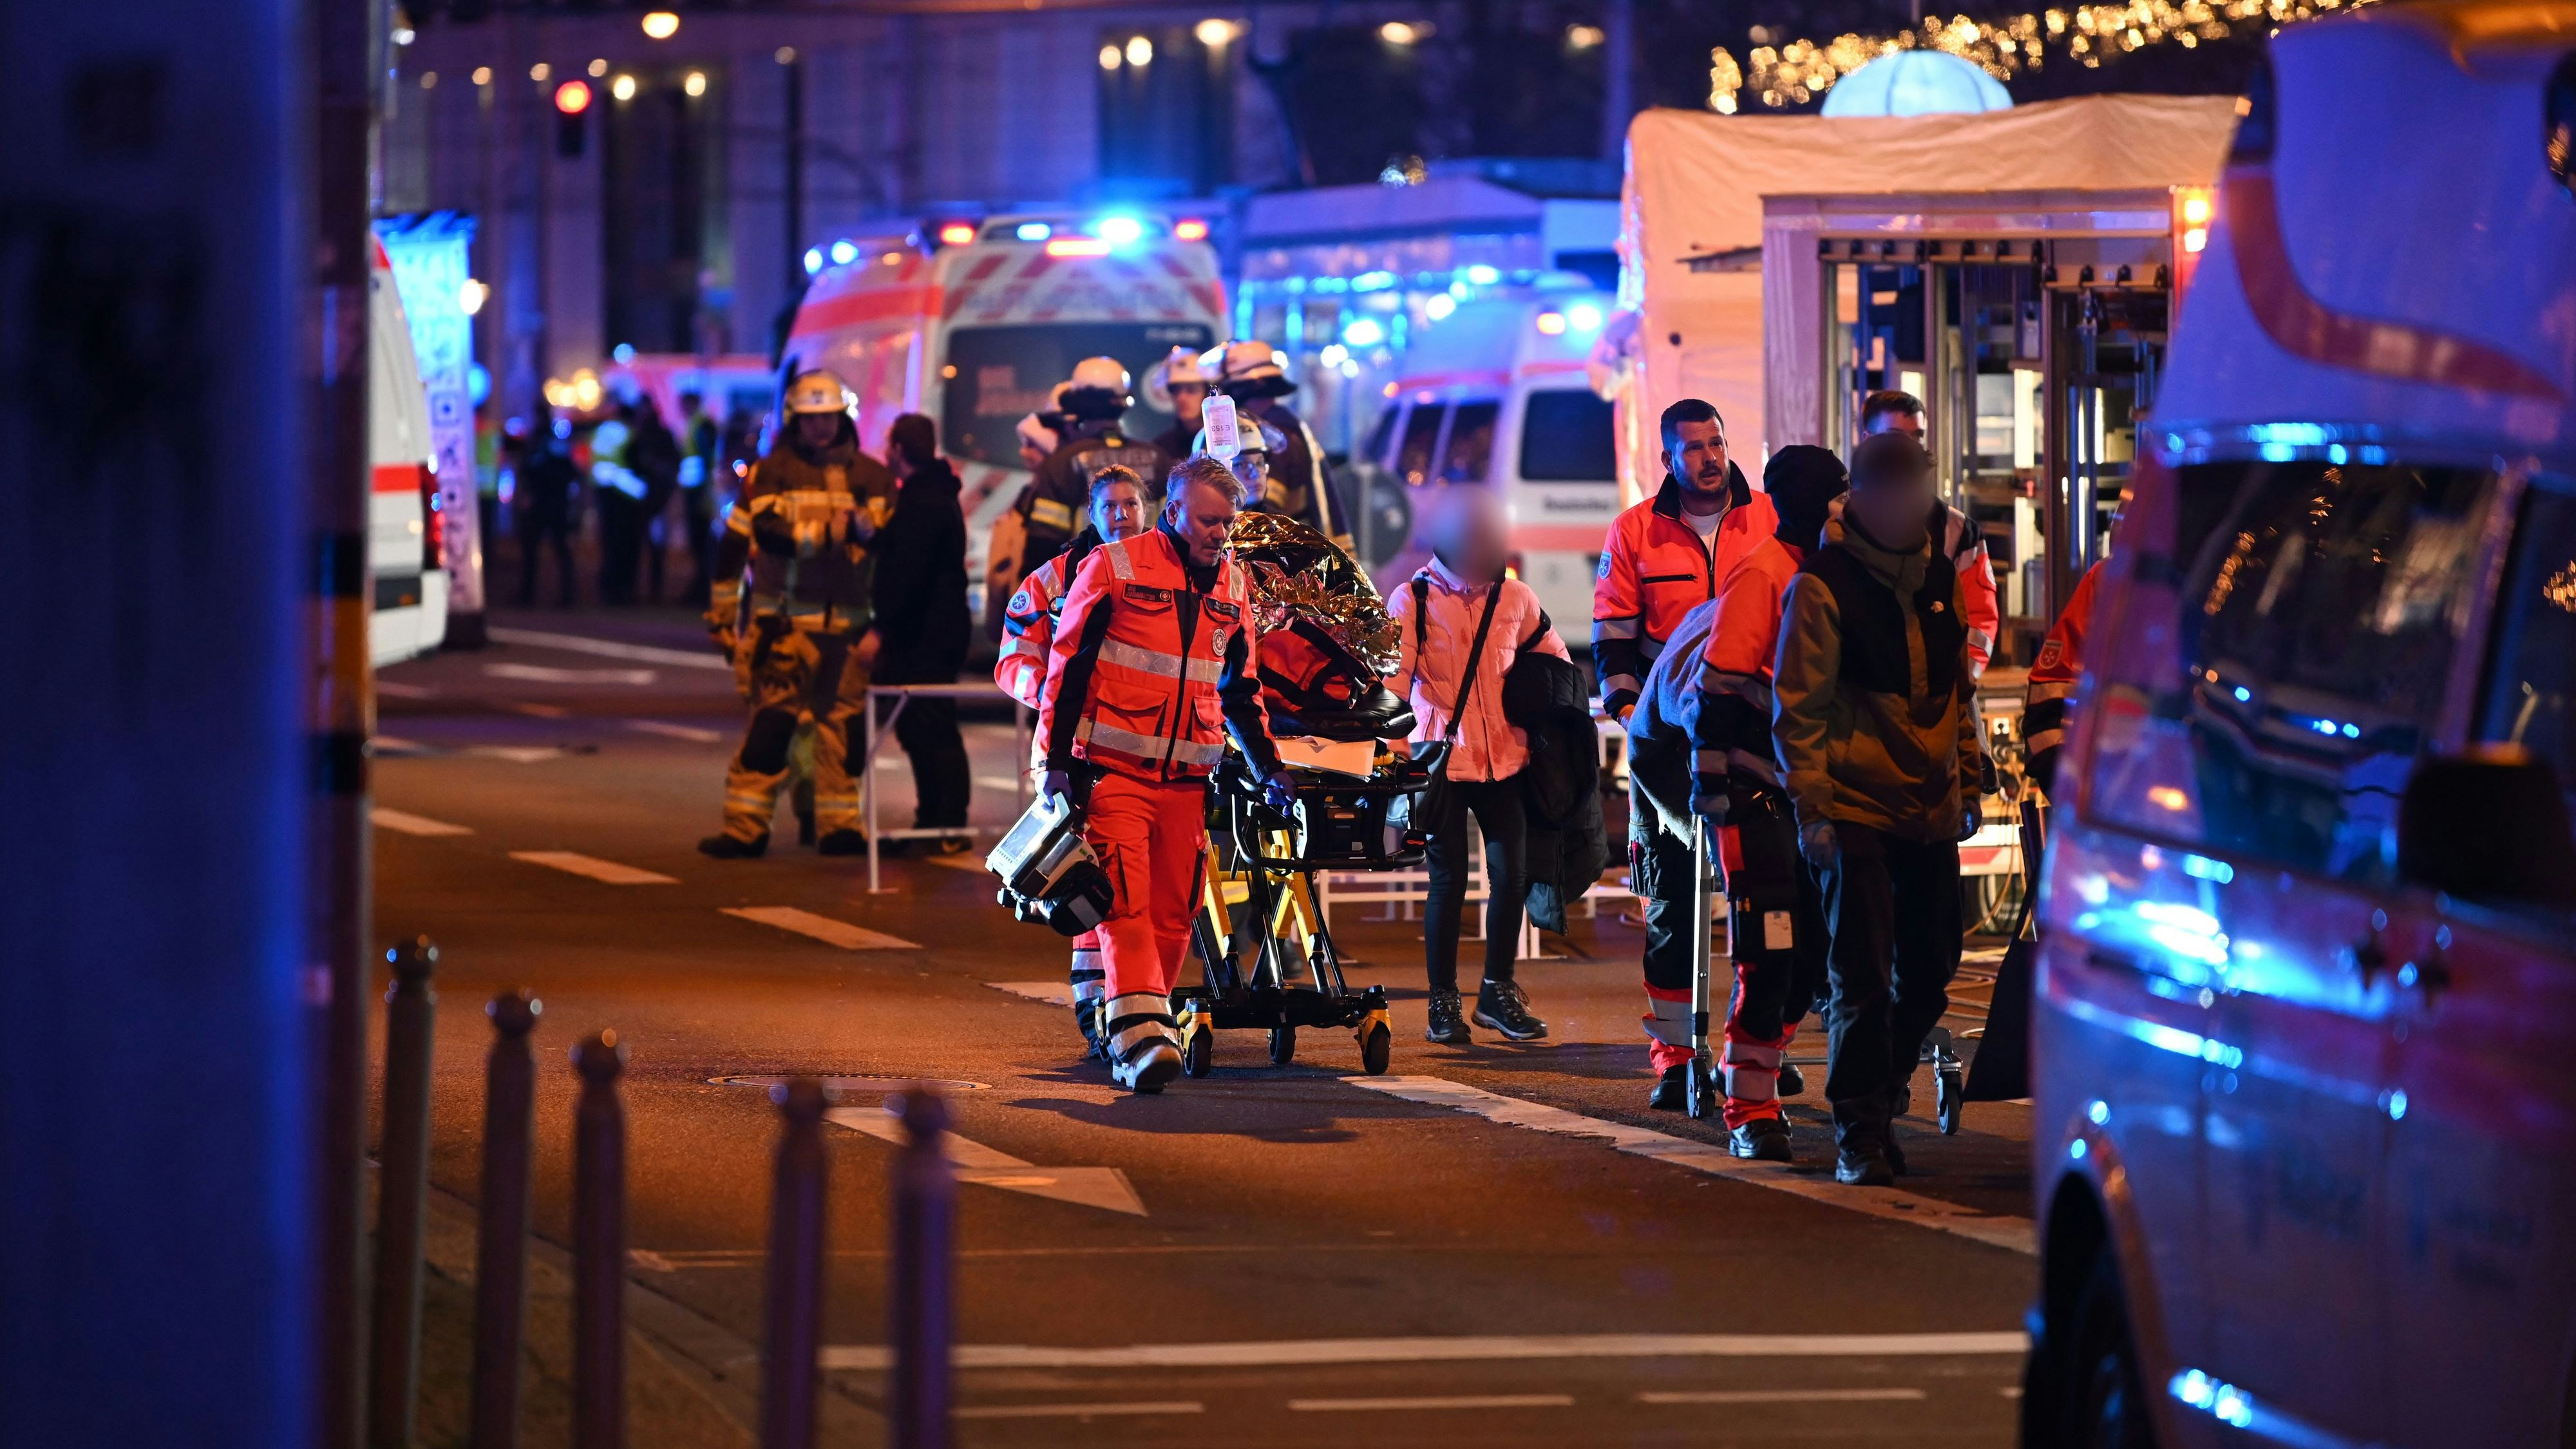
x: 1298, y: 485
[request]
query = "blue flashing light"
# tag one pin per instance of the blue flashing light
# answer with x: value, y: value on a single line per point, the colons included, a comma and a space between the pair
x: 1033, y: 231
x: 1331, y: 284
x: 844, y: 252
x: 2373, y: 454
x: 1363, y: 332
x: 2294, y: 435
x: 2337, y: 454
x: 1372, y: 281
x: 2279, y: 452
x: 2201, y: 867
x: 2325, y: 727
x: 1483, y: 276
x: 1119, y: 231
x: 2076, y: 1149
x: 2352, y: 731
x: 2397, y: 1104
x: 813, y: 260
x: 2243, y: 694
x: 622, y: 352
x: 2098, y: 1113
x: 1583, y: 317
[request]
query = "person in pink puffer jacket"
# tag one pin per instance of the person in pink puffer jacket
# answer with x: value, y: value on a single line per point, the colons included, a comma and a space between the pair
x: 1436, y: 614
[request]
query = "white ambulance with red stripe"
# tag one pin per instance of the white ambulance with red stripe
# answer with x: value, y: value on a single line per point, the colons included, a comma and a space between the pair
x: 973, y: 323
x: 403, y: 543
x: 1495, y: 393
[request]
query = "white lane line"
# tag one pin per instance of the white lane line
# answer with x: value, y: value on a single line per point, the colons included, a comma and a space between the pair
x: 999, y: 782
x: 691, y: 733
x: 1053, y: 993
x: 517, y: 754
x: 1076, y: 1411
x: 1786, y: 1396
x: 592, y: 866
x: 396, y: 689
x: 611, y: 649
x: 1712, y: 1158
x: 1106, y: 1188
x: 1452, y: 1401
x: 548, y: 674
x: 822, y: 928
x: 1469, y: 1349
x: 403, y: 822
x: 396, y: 745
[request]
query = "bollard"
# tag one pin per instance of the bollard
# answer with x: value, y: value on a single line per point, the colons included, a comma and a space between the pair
x: 501, y: 1235
x: 599, y: 1249
x: 794, y: 1316
x: 402, y: 1198
x: 919, y: 1276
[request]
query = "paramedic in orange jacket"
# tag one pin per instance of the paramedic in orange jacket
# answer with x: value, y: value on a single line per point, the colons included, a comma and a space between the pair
x: 1960, y: 540
x: 1116, y: 511
x: 2048, y: 702
x: 1775, y: 914
x: 1151, y: 666
x: 1663, y: 558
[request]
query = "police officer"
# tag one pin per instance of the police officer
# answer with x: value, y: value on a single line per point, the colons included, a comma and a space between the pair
x: 1051, y: 507
x: 1299, y: 485
x: 1663, y: 559
x: 801, y: 656
x: 1154, y: 646
x: 1118, y: 511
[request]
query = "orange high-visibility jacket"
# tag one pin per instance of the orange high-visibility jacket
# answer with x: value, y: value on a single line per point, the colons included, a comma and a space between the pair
x: 1654, y: 570
x: 1964, y: 544
x: 1150, y: 667
x: 2048, y: 701
x: 1733, y: 729
x: 1028, y: 627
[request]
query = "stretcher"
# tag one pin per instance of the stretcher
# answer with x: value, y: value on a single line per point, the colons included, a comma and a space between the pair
x: 1704, y: 1094
x: 1268, y: 955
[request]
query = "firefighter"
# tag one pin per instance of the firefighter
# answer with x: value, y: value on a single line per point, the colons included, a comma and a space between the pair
x: 1152, y: 648
x: 1050, y: 508
x: 1117, y: 512
x: 1663, y: 559
x: 1299, y: 485
x: 1257, y: 443
x: 1185, y: 382
x: 1961, y: 541
x: 2048, y: 701
x: 1775, y: 916
x: 802, y: 642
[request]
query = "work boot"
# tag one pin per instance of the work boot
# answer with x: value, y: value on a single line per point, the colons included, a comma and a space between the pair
x: 1792, y: 1081
x: 844, y: 841
x: 1863, y: 1165
x: 1153, y: 1064
x: 1086, y: 1019
x: 1764, y: 1139
x: 1447, y: 1027
x: 727, y: 847
x: 1672, y: 1090
x: 1502, y: 1007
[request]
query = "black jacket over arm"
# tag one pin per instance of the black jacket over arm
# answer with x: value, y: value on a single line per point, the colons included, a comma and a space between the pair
x: 921, y: 581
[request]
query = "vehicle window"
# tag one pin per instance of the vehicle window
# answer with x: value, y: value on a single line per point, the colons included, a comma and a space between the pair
x: 2531, y: 686
x: 1374, y: 450
x: 1421, y: 434
x: 1566, y: 437
x: 1471, y: 443
x: 995, y: 376
x: 2318, y: 616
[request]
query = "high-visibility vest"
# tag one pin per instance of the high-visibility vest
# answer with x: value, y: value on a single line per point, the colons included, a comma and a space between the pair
x: 1152, y: 710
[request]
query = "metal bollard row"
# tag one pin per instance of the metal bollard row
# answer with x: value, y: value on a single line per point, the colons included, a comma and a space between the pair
x: 501, y: 1233
x: 402, y: 1198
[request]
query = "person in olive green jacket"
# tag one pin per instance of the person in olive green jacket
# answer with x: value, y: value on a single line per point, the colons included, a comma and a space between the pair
x: 1873, y: 717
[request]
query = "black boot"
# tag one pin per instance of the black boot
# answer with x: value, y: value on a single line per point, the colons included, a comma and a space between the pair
x: 1447, y: 1027
x: 1672, y: 1090
x: 1086, y: 1019
x: 726, y: 847
x: 1764, y: 1139
x: 1792, y: 1081
x: 1863, y: 1164
x: 844, y: 841
x: 804, y: 827
x: 1501, y: 1007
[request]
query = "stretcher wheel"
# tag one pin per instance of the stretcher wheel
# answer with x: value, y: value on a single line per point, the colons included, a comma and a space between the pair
x: 1375, y: 1050
x: 1198, y: 1054
x: 1283, y: 1045
x: 1948, y: 1088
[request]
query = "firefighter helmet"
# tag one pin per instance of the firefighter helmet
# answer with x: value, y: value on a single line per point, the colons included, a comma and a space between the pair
x: 819, y: 391
x: 1181, y: 367
x: 1248, y: 369
x: 1099, y: 388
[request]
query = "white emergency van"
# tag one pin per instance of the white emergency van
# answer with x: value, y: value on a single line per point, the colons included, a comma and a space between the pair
x: 973, y: 323
x: 1495, y: 393
x: 403, y: 557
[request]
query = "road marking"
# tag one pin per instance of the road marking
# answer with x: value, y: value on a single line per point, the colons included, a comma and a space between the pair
x: 518, y: 754
x: 403, y: 822
x: 611, y: 649
x: 1313, y: 1351
x: 1053, y: 993
x: 823, y: 928
x: 1713, y: 1159
x: 395, y: 689
x: 1100, y: 1187
x: 1786, y: 1396
x: 548, y: 674
x: 691, y: 733
x: 592, y: 866
x: 1000, y: 782
x: 1452, y: 1401
x: 1075, y: 1411
x: 396, y: 745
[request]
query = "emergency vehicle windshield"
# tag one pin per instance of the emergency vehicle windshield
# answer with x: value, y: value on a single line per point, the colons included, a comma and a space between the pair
x: 995, y: 376
x: 1567, y: 438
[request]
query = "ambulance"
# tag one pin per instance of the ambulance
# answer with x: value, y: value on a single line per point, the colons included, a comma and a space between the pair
x: 973, y: 323
x: 404, y: 565
x: 1495, y: 393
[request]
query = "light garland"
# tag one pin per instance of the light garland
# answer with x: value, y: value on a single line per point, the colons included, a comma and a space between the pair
x: 1801, y: 70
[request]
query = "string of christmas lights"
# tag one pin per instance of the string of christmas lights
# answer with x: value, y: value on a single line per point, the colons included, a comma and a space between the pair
x: 1801, y: 70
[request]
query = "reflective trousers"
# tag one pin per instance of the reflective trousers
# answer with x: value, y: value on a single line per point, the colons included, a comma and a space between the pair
x: 1892, y: 905
x: 1149, y: 836
x: 793, y: 678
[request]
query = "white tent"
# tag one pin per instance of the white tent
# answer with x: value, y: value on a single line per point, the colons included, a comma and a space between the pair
x: 1691, y: 278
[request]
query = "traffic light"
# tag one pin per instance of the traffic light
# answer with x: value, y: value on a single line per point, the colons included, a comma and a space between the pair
x: 572, y: 118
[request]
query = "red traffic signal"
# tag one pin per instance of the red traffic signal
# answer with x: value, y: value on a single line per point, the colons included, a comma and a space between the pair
x: 572, y: 97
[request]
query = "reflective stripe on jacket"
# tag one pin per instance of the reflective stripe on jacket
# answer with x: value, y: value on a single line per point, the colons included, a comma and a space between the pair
x: 1965, y: 545
x: 2048, y: 702
x: 1146, y: 674
x: 1028, y: 628
x: 1489, y: 747
x: 1654, y: 570
x: 1735, y: 668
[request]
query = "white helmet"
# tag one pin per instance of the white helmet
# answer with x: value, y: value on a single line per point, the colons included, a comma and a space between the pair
x: 1252, y: 368
x: 1181, y: 366
x: 1099, y: 388
x: 819, y: 391
x: 1035, y: 434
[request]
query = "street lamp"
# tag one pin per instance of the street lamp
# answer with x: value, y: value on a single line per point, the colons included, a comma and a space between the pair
x: 661, y: 24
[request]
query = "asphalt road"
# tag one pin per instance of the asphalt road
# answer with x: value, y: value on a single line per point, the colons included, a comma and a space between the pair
x: 1492, y: 1245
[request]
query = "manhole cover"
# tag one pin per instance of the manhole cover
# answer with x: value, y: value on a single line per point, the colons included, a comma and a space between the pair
x: 858, y: 1084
